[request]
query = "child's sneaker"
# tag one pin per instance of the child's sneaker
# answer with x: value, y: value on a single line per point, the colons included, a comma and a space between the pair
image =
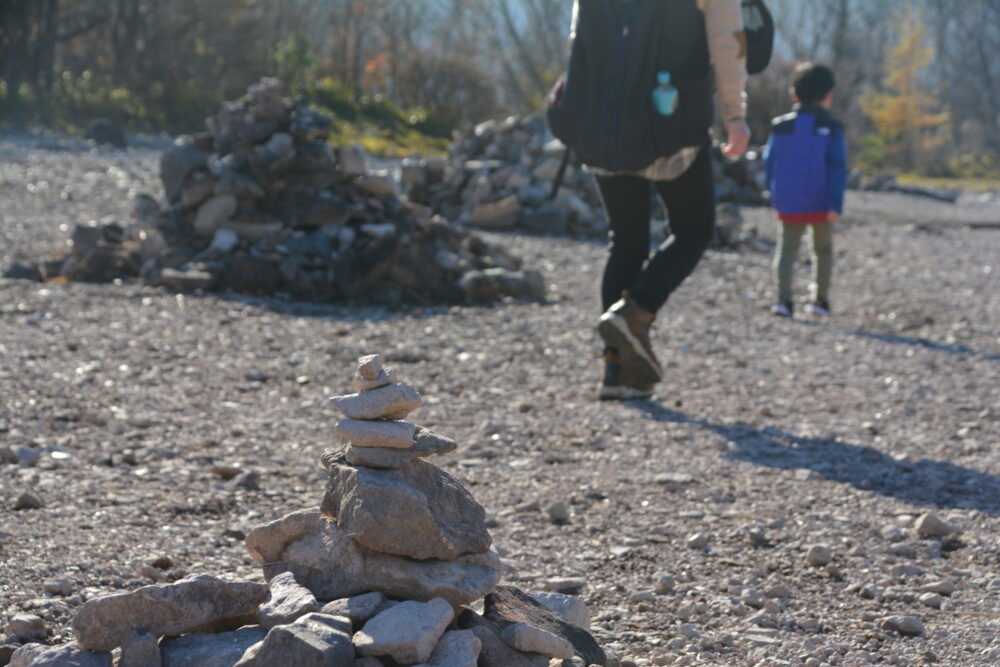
x: 783, y: 309
x: 821, y: 308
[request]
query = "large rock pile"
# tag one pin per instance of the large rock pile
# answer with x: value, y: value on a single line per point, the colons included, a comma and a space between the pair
x: 500, y: 176
x: 261, y: 203
x: 383, y: 574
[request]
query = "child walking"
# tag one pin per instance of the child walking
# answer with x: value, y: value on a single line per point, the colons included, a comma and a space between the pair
x: 806, y: 160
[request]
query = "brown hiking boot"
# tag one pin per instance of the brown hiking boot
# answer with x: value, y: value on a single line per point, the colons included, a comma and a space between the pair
x: 625, y: 328
x: 615, y: 386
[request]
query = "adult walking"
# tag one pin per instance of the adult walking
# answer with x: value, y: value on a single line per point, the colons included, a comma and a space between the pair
x: 636, y: 107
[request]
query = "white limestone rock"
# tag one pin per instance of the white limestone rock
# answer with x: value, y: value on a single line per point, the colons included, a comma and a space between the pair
x: 407, y: 633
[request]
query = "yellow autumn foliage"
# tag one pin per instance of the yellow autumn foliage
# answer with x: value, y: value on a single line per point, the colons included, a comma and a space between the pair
x: 906, y: 115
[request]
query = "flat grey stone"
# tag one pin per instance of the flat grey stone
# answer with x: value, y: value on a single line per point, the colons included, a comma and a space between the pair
x: 529, y: 639
x: 142, y: 651
x: 456, y: 648
x: 381, y: 434
x: 570, y: 607
x: 394, y: 401
x: 360, y: 608
x: 198, y: 650
x: 328, y: 562
x: 407, y: 633
x: 315, y: 640
x: 39, y: 655
x: 287, y: 602
x: 103, y: 624
x: 425, y: 443
x: 418, y: 511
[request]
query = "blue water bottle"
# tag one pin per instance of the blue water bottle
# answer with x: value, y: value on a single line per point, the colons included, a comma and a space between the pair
x: 665, y: 95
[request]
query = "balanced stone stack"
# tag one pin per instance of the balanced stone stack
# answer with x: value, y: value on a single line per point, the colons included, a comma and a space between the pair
x: 383, y: 574
x: 261, y: 203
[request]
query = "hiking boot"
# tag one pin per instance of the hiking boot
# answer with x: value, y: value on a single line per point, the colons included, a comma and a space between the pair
x: 625, y: 328
x: 821, y: 308
x: 613, y: 385
x: 784, y: 309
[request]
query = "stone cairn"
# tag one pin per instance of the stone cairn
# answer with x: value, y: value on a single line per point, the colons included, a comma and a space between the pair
x: 500, y: 175
x: 385, y: 573
x: 261, y: 203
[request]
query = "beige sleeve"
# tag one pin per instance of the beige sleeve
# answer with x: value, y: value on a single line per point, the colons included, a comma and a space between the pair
x: 727, y: 48
x: 572, y: 25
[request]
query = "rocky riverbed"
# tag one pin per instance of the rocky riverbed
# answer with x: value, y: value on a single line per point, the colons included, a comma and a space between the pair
x: 798, y: 492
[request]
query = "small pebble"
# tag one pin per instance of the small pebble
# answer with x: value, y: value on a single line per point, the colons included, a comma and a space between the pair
x: 904, y: 625
x: 932, y: 600
x: 698, y: 541
x: 930, y: 525
x: 28, y: 501
x: 819, y: 555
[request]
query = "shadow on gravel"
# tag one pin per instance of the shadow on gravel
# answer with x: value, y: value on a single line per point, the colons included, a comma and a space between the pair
x: 923, y: 482
x: 926, y: 343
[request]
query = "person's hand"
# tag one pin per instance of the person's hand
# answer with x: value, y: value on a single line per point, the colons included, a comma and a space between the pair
x: 832, y: 216
x: 738, y: 135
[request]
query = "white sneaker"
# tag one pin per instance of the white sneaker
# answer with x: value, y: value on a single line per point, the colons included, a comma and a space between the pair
x: 820, y: 309
x: 782, y: 310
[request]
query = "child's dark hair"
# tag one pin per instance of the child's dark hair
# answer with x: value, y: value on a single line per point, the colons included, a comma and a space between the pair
x: 812, y: 82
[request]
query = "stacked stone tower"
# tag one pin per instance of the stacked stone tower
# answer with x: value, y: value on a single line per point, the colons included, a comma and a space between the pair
x: 390, y: 521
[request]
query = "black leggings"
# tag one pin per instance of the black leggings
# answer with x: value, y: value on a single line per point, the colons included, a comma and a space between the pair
x: 690, y: 202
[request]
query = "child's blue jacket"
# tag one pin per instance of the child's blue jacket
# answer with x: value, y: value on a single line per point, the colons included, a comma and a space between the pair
x: 806, y: 160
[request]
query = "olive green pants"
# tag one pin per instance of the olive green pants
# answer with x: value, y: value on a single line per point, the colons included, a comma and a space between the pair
x: 789, y: 240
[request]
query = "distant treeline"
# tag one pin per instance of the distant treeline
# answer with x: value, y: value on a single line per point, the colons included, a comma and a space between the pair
x: 919, y: 79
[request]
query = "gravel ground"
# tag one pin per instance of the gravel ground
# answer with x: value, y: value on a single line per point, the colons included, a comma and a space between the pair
x: 692, y: 516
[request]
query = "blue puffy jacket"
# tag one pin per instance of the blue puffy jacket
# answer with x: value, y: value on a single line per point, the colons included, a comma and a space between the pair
x: 806, y: 160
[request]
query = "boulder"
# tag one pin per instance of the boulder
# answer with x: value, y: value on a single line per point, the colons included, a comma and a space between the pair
x: 177, y: 163
x: 287, y: 602
x: 328, y: 562
x: 103, y: 624
x: 315, y: 640
x: 508, y: 605
x: 141, y: 651
x: 407, y: 633
x: 359, y: 608
x: 198, y: 650
x: 39, y: 655
x: 456, y: 648
x: 418, y: 511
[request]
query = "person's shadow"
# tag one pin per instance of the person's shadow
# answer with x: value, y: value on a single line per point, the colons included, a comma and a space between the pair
x: 927, y: 482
